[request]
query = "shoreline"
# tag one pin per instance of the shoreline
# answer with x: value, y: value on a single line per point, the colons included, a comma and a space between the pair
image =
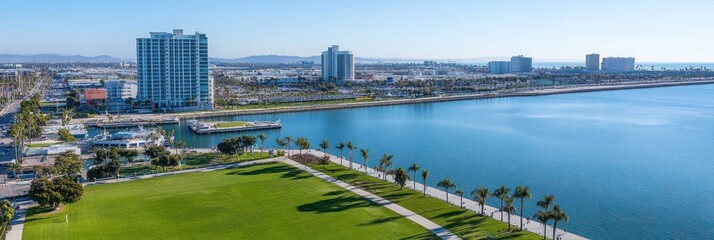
x: 530, y: 225
x: 336, y: 106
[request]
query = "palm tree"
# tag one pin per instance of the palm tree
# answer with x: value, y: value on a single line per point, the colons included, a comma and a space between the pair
x: 543, y: 216
x: 501, y: 193
x: 324, y: 145
x: 480, y: 195
x: 385, y: 162
x: 414, y: 168
x: 557, y: 214
x: 281, y: 142
x: 509, y: 208
x: 424, y: 176
x: 546, y: 202
x: 341, y: 146
x: 365, y: 155
x: 351, y: 147
x: 288, y: 141
x: 262, y: 139
x: 461, y: 197
x: 521, y: 193
x: 446, y: 184
x: 179, y: 145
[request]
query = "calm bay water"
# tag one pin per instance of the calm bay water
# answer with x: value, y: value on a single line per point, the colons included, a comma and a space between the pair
x: 629, y: 164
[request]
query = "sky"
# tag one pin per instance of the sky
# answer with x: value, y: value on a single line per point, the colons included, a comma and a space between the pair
x: 547, y: 30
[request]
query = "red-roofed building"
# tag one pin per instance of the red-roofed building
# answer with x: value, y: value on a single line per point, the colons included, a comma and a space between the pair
x: 95, y: 96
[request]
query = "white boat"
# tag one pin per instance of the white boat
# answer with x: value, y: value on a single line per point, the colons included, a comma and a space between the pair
x: 134, y: 138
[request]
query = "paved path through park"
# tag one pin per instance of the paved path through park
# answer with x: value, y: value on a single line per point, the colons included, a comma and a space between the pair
x: 426, y: 223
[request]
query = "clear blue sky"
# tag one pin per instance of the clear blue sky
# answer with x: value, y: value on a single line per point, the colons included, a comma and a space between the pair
x: 654, y: 30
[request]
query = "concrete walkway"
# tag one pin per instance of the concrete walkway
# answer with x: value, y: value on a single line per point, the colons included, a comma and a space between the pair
x: 17, y: 223
x: 529, y: 225
x: 426, y: 223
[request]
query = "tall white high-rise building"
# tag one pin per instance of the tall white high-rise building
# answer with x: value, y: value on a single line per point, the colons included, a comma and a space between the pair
x: 338, y: 65
x: 618, y: 64
x: 172, y: 71
x: 592, y: 62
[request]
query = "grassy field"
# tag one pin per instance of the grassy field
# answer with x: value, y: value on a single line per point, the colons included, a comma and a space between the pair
x: 271, y: 201
x: 230, y: 124
x: 464, y: 223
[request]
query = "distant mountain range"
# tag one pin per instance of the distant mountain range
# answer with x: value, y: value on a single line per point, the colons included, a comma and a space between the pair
x: 56, y: 58
x: 316, y: 59
x: 265, y: 59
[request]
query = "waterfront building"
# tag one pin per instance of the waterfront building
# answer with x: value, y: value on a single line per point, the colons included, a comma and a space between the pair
x: 521, y: 64
x: 499, y: 67
x: 592, y: 62
x: 338, y: 65
x: 118, y: 91
x: 172, y: 71
x: 618, y: 64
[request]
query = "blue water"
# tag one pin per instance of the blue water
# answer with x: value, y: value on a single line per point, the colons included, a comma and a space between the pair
x: 628, y: 164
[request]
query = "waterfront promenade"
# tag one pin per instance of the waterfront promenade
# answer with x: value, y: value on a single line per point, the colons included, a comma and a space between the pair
x: 528, y: 224
x: 320, y: 107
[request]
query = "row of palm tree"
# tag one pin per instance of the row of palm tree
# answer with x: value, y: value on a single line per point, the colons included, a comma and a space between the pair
x: 546, y: 213
x: 480, y: 194
x: 507, y: 201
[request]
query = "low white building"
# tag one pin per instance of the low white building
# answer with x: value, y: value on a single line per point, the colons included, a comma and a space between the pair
x: 121, y: 89
x: 53, y: 150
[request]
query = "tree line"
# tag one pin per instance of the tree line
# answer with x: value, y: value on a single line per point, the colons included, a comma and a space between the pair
x: 28, y: 125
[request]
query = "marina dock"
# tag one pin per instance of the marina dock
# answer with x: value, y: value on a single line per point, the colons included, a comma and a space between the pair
x: 222, y: 127
x: 132, y: 123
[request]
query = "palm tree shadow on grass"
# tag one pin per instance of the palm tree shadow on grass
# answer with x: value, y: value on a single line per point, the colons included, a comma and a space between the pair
x: 425, y: 235
x: 287, y: 171
x: 333, y: 193
x: 464, y: 226
x: 449, y: 214
x: 380, y: 221
x: 337, y: 204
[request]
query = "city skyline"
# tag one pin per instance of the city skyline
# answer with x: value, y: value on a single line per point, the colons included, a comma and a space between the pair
x: 652, y: 31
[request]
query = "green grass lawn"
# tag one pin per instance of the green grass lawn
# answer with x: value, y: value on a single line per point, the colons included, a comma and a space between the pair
x: 230, y: 124
x: 464, y: 223
x: 36, y: 145
x: 270, y: 201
